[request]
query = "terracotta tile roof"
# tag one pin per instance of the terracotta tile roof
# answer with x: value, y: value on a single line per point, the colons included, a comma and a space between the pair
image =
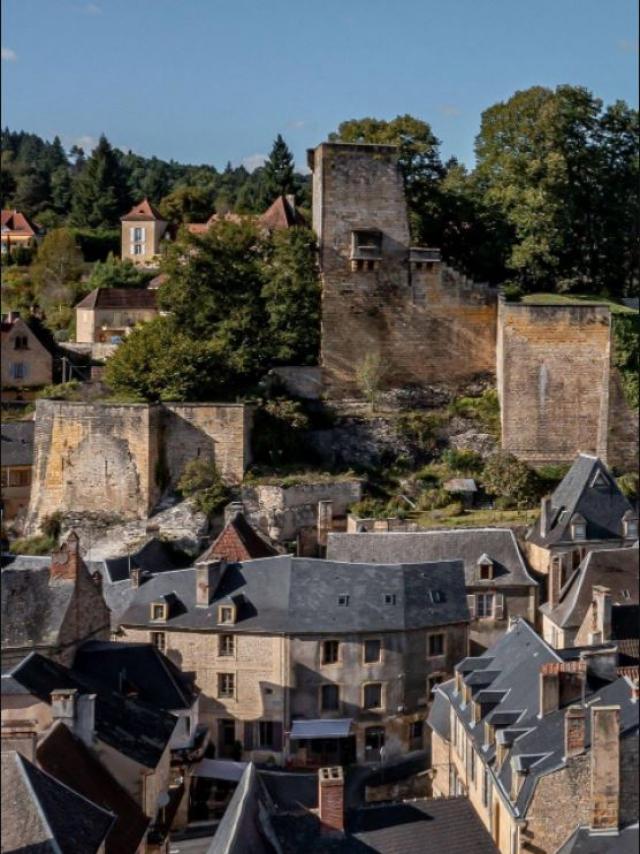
x: 111, y: 298
x: 18, y: 224
x: 238, y: 542
x: 197, y: 227
x: 281, y: 214
x: 144, y: 211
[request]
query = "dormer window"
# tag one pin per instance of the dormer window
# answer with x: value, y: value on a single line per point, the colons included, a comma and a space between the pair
x: 485, y: 568
x: 578, y: 527
x: 226, y: 614
x: 600, y: 481
x: 389, y: 598
x: 436, y: 596
x: 630, y: 525
x: 343, y: 600
x: 159, y: 611
x: 366, y: 249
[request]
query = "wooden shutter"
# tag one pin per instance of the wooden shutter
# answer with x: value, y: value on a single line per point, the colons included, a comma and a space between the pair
x: 248, y: 735
x: 471, y: 603
x: 498, y: 606
x: 277, y: 735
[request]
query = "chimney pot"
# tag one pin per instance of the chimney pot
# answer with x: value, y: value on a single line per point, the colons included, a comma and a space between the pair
x: 64, y: 703
x: 331, y: 798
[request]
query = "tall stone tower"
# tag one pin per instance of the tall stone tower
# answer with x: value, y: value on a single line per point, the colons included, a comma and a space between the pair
x: 425, y: 322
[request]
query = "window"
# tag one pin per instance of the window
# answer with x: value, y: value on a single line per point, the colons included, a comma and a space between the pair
x: 432, y: 681
x: 484, y: 605
x: 21, y: 342
x: 226, y: 685
x: 138, y: 234
x: 18, y: 371
x: 158, y: 611
x: 389, y: 598
x: 18, y: 477
x: 436, y: 596
x: 226, y: 645
x: 137, y: 248
x: 372, y: 650
x: 4, y: 477
x: 472, y: 763
x: 416, y: 728
x: 485, y: 786
x: 330, y: 651
x: 265, y: 734
x: 435, y: 645
x: 329, y: 698
x: 225, y: 614
x: 343, y: 599
x: 486, y: 570
x: 366, y: 245
x: 372, y: 696
x: 159, y: 640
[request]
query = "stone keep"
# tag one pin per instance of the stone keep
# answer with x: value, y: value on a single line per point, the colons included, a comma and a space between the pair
x: 117, y: 460
x: 424, y: 321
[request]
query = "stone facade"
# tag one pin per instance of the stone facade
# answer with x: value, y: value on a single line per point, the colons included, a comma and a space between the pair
x: 558, y: 391
x: 424, y: 321
x: 26, y: 363
x: 118, y: 459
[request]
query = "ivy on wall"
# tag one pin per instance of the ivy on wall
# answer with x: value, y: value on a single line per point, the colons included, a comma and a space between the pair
x: 626, y: 357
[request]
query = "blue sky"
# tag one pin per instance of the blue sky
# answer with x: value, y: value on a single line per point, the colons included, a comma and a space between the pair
x: 206, y: 81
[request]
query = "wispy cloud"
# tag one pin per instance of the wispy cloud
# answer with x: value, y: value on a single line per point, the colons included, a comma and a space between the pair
x: 92, y: 9
x: 253, y: 161
x: 9, y: 55
x: 628, y: 45
x: 449, y: 110
x: 87, y: 142
x: 297, y: 125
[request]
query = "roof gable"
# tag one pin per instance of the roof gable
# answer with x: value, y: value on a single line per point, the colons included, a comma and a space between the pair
x: 238, y: 542
x: 143, y: 211
x: 281, y: 214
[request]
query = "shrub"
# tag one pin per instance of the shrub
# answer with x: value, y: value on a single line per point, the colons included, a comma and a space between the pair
x: 51, y: 525
x: 62, y: 391
x: 505, y: 476
x: 38, y: 545
x: 433, y: 499
x: 484, y: 409
x: 279, y: 432
x: 419, y: 428
x: 201, y: 481
x: 370, y: 376
x: 512, y: 292
x: 628, y: 484
x: 462, y: 462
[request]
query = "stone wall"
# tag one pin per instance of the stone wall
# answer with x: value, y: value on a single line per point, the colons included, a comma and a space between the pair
x: 426, y: 322
x: 116, y: 460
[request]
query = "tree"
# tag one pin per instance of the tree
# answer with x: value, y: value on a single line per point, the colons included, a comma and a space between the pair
x: 510, y: 479
x: 278, y: 170
x: 370, y: 375
x: 61, y: 189
x: 32, y: 192
x: 57, y: 269
x: 100, y: 194
x: 114, y: 273
x: 201, y: 481
x: 187, y: 204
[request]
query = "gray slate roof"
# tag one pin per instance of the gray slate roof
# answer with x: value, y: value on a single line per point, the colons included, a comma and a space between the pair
x: 512, y: 666
x: 588, y: 489
x: 245, y: 827
x: 16, y: 443
x: 42, y: 815
x: 582, y: 841
x: 288, y: 595
x: 468, y: 545
x: 616, y: 569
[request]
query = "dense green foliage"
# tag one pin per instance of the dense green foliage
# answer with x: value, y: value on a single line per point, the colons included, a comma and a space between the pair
x: 510, y: 479
x: 626, y: 336
x: 114, y: 273
x: 201, y: 481
x: 278, y: 171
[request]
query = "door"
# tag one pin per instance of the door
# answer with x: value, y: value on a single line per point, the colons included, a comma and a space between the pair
x: 226, y: 737
x: 373, y: 743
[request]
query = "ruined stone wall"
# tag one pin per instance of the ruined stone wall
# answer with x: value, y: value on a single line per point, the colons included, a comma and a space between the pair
x: 623, y: 427
x: 116, y: 460
x: 553, y: 380
x: 426, y: 322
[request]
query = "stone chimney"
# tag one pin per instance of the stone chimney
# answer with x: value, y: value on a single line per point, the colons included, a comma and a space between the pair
x: 574, y: 731
x: 561, y: 682
x: 20, y: 736
x: 86, y: 717
x: 231, y: 511
x: 64, y: 706
x: 325, y: 521
x: 66, y: 561
x: 602, y: 663
x: 136, y: 576
x: 605, y: 768
x: 291, y: 201
x: 331, y: 798
x: 545, y: 515
x: 208, y: 576
x: 601, y: 604
x: 555, y: 579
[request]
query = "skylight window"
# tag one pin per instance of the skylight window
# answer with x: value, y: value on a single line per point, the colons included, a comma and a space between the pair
x: 436, y: 596
x: 343, y: 599
x: 389, y: 598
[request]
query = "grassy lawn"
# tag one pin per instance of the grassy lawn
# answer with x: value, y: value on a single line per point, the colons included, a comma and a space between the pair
x: 576, y: 299
x: 475, y: 518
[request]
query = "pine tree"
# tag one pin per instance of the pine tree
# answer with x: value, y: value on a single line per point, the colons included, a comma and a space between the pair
x: 101, y: 192
x: 278, y: 170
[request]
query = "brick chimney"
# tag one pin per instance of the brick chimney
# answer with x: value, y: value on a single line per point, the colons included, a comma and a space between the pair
x: 574, y: 731
x: 208, y: 577
x: 20, y: 736
x: 66, y: 561
x: 64, y: 706
x: 325, y: 521
x: 605, y: 768
x: 545, y: 515
x: 561, y: 682
x: 555, y: 579
x: 331, y: 798
x: 601, y: 604
x: 136, y: 576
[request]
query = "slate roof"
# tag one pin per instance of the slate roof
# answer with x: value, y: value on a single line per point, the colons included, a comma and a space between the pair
x: 137, y: 669
x: 143, y: 211
x: 16, y: 443
x: 65, y: 757
x: 131, y: 727
x: 289, y: 595
x: 511, y: 667
x: 238, y: 541
x: 461, y: 484
x: 582, y: 841
x: 154, y: 556
x: 245, y: 826
x: 42, y: 815
x: 33, y: 611
x: 468, y: 545
x: 616, y: 569
x: 601, y: 505
x: 119, y: 298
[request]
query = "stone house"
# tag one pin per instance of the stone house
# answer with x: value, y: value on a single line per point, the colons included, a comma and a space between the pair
x: 338, y: 656
x: 586, y: 512
x: 27, y: 365
x: 540, y: 744
x: 613, y: 572
x: 111, y: 313
x: 497, y: 582
x: 143, y: 230
x: 17, y: 230
x: 50, y: 605
x: 16, y: 464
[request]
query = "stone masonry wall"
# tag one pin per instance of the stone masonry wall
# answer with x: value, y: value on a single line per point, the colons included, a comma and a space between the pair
x: 553, y: 380
x: 427, y: 325
x: 115, y: 460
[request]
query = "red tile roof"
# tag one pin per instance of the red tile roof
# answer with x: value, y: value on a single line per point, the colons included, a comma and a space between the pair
x: 18, y: 223
x: 281, y: 214
x: 143, y: 212
x: 110, y: 298
x: 238, y: 542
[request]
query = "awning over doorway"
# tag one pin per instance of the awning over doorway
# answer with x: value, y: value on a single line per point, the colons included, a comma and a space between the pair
x: 323, y: 728
x: 219, y: 769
